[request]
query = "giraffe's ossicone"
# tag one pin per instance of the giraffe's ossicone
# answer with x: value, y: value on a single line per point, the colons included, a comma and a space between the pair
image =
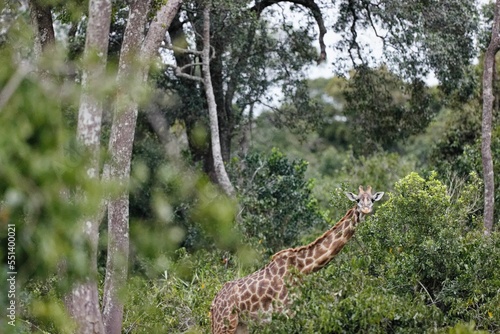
x: 263, y: 292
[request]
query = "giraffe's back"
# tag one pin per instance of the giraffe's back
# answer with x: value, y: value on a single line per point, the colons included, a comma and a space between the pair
x: 255, y: 296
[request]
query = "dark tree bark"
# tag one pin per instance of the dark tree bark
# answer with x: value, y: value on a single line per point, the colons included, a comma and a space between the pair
x: 41, y: 19
x: 488, y: 100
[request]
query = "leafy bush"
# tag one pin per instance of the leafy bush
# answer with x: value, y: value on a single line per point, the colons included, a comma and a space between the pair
x: 407, y: 224
x: 277, y: 207
x: 382, y: 109
x: 458, y: 152
x: 422, y: 250
x: 381, y: 171
x: 414, y: 268
x: 178, y: 301
x: 344, y: 299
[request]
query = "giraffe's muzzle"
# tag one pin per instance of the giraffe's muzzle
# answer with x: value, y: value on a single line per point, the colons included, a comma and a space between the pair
x: 366, y: 210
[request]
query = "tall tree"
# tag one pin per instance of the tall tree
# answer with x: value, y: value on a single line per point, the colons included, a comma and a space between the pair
x: 250, y: 57
x: 83, y: 300
x: 137, y: 52
x: 120, y: 152
x: 221, y: 176
x: 41, y: 19
x: 382, y: 109
x: 246, y: 59
x: 488, y: 99
x: 220, y: 170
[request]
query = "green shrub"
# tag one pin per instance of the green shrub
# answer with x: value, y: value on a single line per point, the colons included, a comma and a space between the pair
x: 411, y: 268
x: 344, y: 299
x: 381, y: 171
x: 405, y: 229
x: 179, y: 300
x: 277, y: 206
x: 421, y: 248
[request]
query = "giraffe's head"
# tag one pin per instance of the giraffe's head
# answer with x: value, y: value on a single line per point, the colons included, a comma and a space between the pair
x: 365, y: 199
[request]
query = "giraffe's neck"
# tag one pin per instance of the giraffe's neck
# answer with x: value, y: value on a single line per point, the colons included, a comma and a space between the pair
x: 319, y: 253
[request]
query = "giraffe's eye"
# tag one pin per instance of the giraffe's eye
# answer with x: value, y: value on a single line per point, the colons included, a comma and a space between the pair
x: 358, y: 200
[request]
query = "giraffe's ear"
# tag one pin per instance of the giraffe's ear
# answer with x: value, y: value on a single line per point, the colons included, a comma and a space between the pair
x: 378, y: 196
x: 351, y: 196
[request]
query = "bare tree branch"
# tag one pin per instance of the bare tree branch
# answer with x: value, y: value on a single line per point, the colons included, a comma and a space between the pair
x: 180, y: 74
x: 14, y: 82
x: 316, y: 12
x: 353, y: 43
x: 179, y: 71
x: 181, y: 50
x: 370, y: 19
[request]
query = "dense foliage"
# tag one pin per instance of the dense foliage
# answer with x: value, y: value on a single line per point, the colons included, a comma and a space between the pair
x: 414, y: 265
x: 420, y: 263
x: 276, y: 203
x: 385, y: 110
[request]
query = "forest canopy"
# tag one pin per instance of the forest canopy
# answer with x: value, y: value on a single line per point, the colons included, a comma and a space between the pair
x: 151, y: 151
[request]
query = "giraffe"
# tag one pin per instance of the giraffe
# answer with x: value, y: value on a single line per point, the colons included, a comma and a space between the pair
x: 265, y: 291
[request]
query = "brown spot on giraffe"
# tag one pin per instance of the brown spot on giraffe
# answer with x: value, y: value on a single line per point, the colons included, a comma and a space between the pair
x: 264, y: 291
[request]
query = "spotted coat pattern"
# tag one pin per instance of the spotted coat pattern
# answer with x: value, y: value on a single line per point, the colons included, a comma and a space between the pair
x: 265, y: 291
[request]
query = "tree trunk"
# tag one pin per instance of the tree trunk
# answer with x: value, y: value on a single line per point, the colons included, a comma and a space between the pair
x: 224, y: 116
x: 191, y: 116
x: 83, y: 307
x: 219, y: 167
x: 83, y: 301
x: 488, y: 99
x: 94, y: 66
x: 120, y: 152
x: 41, y: 19
x: 121, y: 144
